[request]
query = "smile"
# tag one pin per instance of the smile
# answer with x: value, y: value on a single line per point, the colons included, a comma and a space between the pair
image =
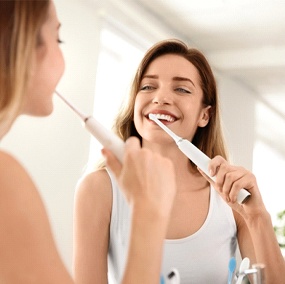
x: 165, y: 117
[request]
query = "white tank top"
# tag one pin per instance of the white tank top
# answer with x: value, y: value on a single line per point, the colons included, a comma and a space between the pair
x: 200, y: 258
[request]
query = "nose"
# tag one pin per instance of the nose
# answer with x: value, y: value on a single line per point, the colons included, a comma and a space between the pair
x: 162, y: 98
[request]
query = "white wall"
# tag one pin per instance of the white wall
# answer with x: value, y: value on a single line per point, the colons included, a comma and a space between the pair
x: 55, y: 149
x: 238, y: 117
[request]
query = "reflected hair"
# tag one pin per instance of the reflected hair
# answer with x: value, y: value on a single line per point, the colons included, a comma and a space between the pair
x: 208, y: 139
x: 20, y: 35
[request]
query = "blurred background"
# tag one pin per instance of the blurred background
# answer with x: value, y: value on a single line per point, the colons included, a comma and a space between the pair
x: 104, y: 42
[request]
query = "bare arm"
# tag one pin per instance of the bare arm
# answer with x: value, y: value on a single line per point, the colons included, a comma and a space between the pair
x: 148, y: 182
x: 260, y: 231
x: 257, y: 239
x: 92, y: 213
x: 27, y: 250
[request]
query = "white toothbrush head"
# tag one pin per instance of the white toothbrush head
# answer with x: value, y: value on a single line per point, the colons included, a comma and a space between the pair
x: 175, y: 137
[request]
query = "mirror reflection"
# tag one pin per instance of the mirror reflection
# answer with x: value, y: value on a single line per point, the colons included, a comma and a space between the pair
x: 103, y: 47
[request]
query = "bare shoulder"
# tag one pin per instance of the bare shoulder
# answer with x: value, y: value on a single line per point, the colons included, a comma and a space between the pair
x: 25, y: 230
x: 8, y: 162
x: 95, y: 189
x: 18, y: 193
x: 94, y: 183
x: 13, y: 176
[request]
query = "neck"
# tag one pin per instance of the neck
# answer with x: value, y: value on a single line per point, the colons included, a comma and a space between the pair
x: 188, y: 178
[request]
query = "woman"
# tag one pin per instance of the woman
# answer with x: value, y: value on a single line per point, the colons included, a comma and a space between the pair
x: 31, y: 66
x: 176, y: 84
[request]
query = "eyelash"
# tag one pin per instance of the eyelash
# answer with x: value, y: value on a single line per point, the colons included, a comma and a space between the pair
x: 184, y: 90
x: 146, y: 87
x: 60, y: 41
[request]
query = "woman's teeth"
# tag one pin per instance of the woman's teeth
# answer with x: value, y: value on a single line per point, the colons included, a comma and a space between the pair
x: 166, y: 117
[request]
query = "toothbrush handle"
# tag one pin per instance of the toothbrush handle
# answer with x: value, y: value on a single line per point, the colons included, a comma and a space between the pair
x: 202, y: 161
x: 107, y: 138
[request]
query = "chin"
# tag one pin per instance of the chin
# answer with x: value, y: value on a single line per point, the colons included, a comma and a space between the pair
x: 46, y: 111
x: 40, y: 112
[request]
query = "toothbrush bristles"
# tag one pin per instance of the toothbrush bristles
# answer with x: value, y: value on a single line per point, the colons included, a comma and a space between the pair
x: 165, y: 128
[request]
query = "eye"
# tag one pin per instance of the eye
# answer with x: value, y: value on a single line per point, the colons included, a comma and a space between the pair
x: 58, y: 33
x: 59, y: 41
x: 146, y: 88
x: 183, y: 90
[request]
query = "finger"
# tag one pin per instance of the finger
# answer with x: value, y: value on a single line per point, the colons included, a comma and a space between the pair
x: 240, y: 180
x: 205, y: 176
x: 112, y: 162
x: 229, y: 180
x: 223, y: 184
x: 219, y: 189
x: 215, y: 164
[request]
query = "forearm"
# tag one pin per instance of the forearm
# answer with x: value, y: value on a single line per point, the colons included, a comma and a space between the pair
x: 145, y: 246
x: 266, y: 248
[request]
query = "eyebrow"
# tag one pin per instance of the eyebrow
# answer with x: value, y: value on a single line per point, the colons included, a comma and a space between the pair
x: 177, y: 78
x: 183, y: 79
x: 150, y: 76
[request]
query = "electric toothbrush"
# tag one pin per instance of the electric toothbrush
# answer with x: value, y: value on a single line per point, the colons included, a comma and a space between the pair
x: 196, y: 156
x: 107, y: 138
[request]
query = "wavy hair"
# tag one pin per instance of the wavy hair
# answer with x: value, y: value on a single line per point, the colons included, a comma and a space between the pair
x: 208, y: 139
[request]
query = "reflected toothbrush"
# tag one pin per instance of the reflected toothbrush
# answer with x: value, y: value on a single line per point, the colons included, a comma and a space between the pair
x: 196, y: 156
x: 244, y: 265
x: 232, y: 267
x: 107, y: 138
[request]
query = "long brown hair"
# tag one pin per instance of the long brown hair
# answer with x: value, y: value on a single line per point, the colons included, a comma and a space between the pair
x: 20, y: 26
x: 209, y: 139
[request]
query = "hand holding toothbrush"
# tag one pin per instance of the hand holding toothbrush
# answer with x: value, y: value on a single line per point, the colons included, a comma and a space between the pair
x: 145, y: 176
x: 149, y: 184
x: 229, y: 179
x: 198, y: 158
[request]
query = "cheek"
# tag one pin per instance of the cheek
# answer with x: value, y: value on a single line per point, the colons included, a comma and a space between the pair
x: 44, y: 80
x: 136, y: 112
x: 60, y: 64
x: 54, y: 68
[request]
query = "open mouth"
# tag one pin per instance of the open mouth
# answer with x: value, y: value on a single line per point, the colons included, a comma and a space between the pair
x: 164, y: 117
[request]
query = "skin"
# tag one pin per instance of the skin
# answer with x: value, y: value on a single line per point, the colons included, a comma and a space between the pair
x: 183, y: 99
x: 252, y: 218
x: 161, y: 92
x: 175, y: 90
x: 27, y: 249
x: 95, y: 191
x: 47, y: 70
x: 150, y: 195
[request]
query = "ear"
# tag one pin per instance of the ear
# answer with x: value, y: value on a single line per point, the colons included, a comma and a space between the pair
x: 205, y: 116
